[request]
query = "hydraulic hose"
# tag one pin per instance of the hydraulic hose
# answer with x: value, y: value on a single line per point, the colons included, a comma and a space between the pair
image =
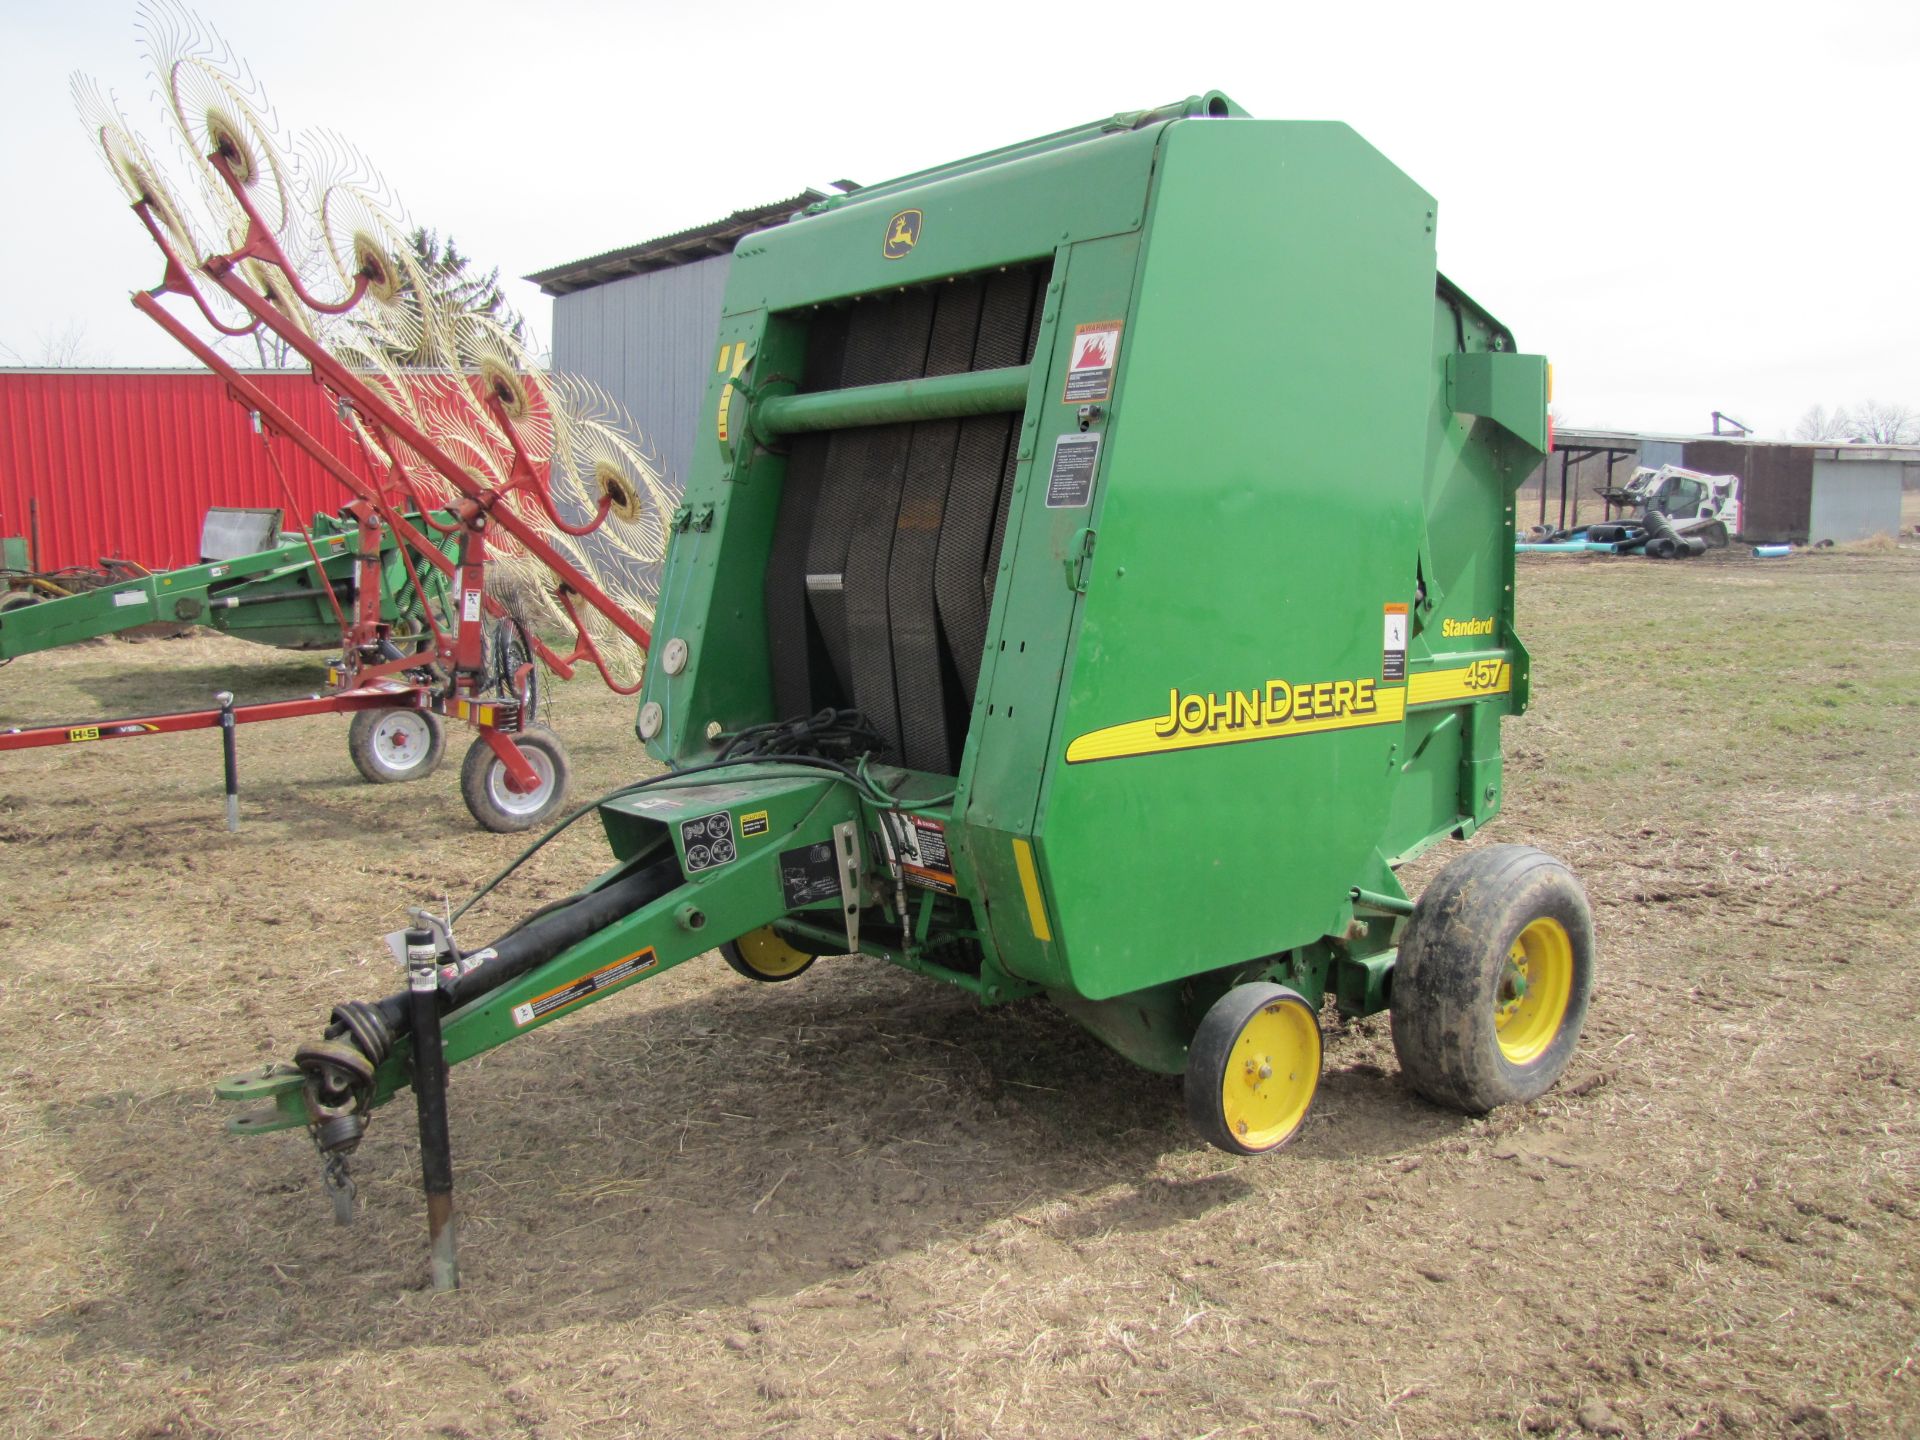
x: 374, y: 1026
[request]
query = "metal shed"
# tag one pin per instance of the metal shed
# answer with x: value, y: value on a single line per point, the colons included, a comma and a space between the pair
x: 639, y: 322
x: 1791, y: 492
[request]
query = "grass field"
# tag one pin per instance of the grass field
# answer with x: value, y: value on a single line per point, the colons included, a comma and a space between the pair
x: 857, y: 1205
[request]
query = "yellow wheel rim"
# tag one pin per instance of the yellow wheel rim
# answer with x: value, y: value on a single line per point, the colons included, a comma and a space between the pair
x: 1536, y: 987
x: 1271, y: 1075
x: 766, y: 953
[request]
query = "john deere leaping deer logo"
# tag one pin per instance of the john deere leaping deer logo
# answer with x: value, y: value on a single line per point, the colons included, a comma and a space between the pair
x: 903, y: 233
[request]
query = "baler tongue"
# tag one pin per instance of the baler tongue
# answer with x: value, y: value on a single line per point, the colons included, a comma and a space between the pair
x: 703, y: 861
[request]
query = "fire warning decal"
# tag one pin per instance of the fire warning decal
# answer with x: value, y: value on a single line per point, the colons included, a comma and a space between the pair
x: 1096, y: 350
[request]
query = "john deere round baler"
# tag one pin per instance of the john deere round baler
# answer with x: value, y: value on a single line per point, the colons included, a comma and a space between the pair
x: 1096, y: 581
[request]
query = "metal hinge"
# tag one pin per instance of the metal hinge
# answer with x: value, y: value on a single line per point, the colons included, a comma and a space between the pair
x: 1079, y: 559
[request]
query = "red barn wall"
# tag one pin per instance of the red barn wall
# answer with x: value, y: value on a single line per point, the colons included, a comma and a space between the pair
x: 127, y: 462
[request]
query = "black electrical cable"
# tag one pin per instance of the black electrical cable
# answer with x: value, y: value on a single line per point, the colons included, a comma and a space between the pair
x: 842, y: 722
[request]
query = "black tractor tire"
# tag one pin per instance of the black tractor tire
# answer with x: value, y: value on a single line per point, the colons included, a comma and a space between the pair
x: 1253, y: 1069
x: 483, y: 783
x: 1469, y: 1035
x: 18, y: 600
x: 386, y: 757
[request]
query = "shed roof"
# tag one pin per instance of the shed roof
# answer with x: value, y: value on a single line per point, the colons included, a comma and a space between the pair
x: 702, y: 241
x: 1570, y: 437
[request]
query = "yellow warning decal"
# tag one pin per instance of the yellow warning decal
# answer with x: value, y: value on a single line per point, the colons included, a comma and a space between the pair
x: 1468, y: 682
x: 732, y: 371
x: 1271, y: 711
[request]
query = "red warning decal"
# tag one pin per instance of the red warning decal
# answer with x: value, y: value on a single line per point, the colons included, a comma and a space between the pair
x: 1096, y: 351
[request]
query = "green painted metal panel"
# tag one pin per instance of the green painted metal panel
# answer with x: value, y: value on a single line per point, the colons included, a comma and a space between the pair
x: 1509, y: 389
x: 1259, y: 508
x: 1019, y: 211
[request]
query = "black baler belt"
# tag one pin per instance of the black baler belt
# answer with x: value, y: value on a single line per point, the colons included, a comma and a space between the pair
x: 789, y: 645
x: 878, y: 456
x: 863, y: 469
x: 913, y: 608
x: 793, y: 651
x: 963, y: 572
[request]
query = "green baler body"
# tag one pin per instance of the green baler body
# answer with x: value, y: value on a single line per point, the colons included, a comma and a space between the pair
x: 1142, y: 721
x: 1186, y: 705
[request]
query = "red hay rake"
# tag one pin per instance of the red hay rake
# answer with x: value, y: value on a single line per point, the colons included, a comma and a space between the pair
x: 467, y: 445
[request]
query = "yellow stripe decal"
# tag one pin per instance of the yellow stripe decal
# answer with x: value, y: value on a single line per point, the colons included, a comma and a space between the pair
x: 1030, y: 887
x: 1468, y: 682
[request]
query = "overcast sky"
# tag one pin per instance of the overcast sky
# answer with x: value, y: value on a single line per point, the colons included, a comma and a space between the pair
x: 1686, y: 208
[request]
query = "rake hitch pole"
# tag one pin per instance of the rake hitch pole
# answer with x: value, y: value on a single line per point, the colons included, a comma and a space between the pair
x: 231, y: 753
x: 430, y: 1096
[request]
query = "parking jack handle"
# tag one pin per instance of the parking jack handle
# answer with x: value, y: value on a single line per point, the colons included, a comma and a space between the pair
x: 430, y: 1096
x: 231, y: 752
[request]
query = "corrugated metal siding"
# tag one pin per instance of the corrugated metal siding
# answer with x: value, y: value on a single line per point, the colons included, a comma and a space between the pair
x: 126, y: 463
x: 648, y: 341
x: 1853, y: 499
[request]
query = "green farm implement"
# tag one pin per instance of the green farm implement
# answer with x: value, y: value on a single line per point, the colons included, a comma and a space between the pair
x: 1095, y: 584
x: 255, y: 581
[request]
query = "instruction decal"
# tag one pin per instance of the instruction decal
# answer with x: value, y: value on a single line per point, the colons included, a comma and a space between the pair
x: 470, y: 607
x: 754, y: 824
x: 587, y: 986
x: 1070, y: 482
x: 925, y: 860
x: 809, y: 875
x: 1393, y: 650
x: 129, y: 597
x: 1096, y: 350
x: 708, y: 841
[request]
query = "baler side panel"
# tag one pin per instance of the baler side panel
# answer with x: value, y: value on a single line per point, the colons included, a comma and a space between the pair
x: 1259, y: 508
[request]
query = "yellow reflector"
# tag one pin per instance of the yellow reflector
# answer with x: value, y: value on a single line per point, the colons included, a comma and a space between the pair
x: 1030, y: 887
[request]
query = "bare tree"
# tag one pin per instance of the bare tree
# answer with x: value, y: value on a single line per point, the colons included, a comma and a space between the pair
x: 1868, y: 423
x: 63, y: 349
x: 1820, y: 423
x: 1874, y: 423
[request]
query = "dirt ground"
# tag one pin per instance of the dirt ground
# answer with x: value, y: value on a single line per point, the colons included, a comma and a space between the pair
x: 858, y: 1205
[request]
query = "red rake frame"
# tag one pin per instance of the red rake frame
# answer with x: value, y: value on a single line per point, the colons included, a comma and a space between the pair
x: 478, y: 507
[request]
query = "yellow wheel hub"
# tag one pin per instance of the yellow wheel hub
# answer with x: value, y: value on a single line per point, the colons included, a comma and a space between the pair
x: 1271, y: 1075
x: 1535, y: 990
x: 767, y: 953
